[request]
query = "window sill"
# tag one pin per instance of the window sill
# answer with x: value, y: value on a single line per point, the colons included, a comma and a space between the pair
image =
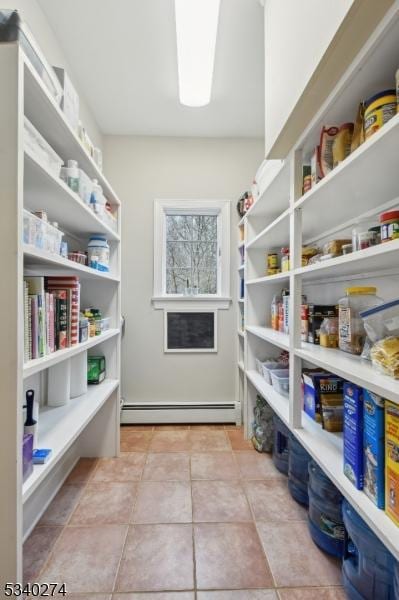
x: 194, y: 302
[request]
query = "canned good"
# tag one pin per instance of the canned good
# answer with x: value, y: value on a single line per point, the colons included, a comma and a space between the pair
x: 389, y: 225
x: 379, y: 109
x: 272, y: 261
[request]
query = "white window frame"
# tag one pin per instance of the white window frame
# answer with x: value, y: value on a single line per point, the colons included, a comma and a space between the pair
x: 222, y: 298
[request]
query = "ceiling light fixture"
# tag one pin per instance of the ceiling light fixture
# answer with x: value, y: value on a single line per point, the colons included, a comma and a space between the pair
x: 196, y: 31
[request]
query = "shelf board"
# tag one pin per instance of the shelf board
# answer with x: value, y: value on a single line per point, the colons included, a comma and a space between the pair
x: 275, y: 197
x: 370, y: 260
x: 278, y: 402
x: 60, y: 426
x: 241, y: 268
x: 350, y: 367
x: 276, y: 234
x: 241, y: 365
x: 270, y: 335
x: 241, y: 333
x: 43, y: 190
x: 269, y: 278
x: 365, y: 179
x: 241, y: 300
x: 241, y: 244
x: 44, y: 113
x: 39, y: 364
x: 52, y: 264
x: 326, y: 449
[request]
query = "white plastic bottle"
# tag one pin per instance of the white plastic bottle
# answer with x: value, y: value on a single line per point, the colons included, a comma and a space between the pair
x: 73, y: 175
x: 97, y: 198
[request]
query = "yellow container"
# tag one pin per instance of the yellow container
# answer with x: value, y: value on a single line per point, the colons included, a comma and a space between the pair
x: 379, y: 109
x: 392, y: 461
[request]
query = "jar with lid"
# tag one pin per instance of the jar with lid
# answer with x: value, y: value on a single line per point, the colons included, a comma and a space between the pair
x: 285, y: 259
x: 96, y: 312
x: 98, y: 252
x: 351, y: 332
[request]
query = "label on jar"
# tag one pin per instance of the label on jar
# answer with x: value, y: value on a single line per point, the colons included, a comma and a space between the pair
x: 345, y: 335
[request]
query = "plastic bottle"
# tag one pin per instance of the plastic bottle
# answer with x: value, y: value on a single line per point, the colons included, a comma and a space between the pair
x: 73, y: 175
x: 97, y: 319
x: 98, y: 252
x: 97, y: 199
x: 92, y: 323
x: 274, y: 310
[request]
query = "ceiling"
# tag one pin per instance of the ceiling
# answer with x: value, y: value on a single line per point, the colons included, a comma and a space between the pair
x: 124, y: 58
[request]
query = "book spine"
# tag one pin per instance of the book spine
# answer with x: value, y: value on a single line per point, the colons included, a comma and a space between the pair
x: 51, y: 323
x: 30, y: 328
x: 26, y: 322
x: 35, y: 327
x: 62, y: 319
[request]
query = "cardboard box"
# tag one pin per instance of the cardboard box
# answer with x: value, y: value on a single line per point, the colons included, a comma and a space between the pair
x: 392, y: 461
x: 353, y: 434
x: 70, y: 99
x: 374, y: 447
x: 311, y: 393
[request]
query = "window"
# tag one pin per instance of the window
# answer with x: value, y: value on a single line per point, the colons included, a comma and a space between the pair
x: 191, y: 251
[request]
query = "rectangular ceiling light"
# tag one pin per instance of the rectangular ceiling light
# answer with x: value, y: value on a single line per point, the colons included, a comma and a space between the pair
x: 196, y: 31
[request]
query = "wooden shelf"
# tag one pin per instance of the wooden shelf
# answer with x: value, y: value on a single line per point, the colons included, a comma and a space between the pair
x: 350, y: 367
x: 44, y: 191
x: 52, y: 264
x: 39, y: 364
x: 44, y: 113
x: 270, y: 335
x: 60, y: 426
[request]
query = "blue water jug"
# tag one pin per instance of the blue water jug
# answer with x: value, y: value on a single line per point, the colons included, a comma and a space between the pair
x: 368, y: 566
x: 280, y: 445
x: 325, y: 521
x: 298, y: 471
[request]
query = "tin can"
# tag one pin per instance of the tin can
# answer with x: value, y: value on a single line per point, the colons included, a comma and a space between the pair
x: 379, y: 109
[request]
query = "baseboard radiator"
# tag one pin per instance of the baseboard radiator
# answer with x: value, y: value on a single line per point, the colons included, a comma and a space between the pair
x: 181, y: 412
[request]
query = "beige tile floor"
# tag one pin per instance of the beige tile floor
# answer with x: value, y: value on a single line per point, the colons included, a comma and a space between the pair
x: 185, y: 513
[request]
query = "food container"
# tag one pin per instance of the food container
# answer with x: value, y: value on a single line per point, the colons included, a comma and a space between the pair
x: 281, y: 381
x: 342, y: 143
x: 347, y: 249
x: 105, y: 324
x: 98, y: 253
x: 367, y: 239
x: 351, y: 331
x: 95, y: 369
x: 285, y: 259
x: 381, y: 321
x: 334, y: 247
x: 329, y: 332
x: 85, y: 187
x: 83, y: 329
x: 70, y: 98
x: 78, y: 257
x: 40, y: 150
x: 13, y: 29
x: 272, y: 261
x: 378, y: 110
x: 258, y: 364
x: 389, y: 225
x: 268, y: 367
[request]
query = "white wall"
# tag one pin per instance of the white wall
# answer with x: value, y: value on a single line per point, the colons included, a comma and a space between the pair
x: 33, y: 15
x: 142, y: 169
x: 296, y: 36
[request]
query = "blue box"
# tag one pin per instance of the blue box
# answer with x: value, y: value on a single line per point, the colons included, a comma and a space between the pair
x: 353, y: 434
x: 311, y: 393
x: 374, y: 447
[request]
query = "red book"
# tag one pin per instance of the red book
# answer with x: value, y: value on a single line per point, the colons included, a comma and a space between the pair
x: 71, y: 284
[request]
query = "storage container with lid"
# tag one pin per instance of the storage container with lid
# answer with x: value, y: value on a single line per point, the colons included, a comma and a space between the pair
x: 351, y: 332
x: 98, y: 252
x: 389, y: 222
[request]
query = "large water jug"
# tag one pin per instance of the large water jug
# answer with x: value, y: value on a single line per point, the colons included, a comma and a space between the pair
x: 325, y: 512
x: 298, y: 473
x: 280, y: 445
x: 368, y: 566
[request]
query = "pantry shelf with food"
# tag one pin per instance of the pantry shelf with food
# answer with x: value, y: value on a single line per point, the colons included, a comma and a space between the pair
x: 62, y: 289
x: 322, y: 286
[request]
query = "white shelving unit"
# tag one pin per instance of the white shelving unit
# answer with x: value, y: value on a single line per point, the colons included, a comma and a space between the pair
x: 241, y: 341
x: 87, y: 425
x: 363, y: 186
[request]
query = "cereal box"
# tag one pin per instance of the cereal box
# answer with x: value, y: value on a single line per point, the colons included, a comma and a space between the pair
x: 392, y: 460
x: 374, y: 447
x: 353, y: 434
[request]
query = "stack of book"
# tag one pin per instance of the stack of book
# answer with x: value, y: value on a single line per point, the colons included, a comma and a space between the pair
x: 51, y: 314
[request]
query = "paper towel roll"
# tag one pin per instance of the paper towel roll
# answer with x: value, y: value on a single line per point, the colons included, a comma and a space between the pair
x: 59, y: 384
x: 79, y: 375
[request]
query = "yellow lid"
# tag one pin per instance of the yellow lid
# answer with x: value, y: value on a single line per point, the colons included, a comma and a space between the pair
x: 360, y: 290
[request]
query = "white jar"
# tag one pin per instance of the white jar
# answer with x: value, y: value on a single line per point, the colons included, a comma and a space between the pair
x: 98, y: 252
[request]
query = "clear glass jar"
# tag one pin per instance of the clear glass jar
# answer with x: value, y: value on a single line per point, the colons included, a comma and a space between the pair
x: 351, y: 332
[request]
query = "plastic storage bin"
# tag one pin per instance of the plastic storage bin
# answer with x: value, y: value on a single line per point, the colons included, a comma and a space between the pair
x: 298, y: 471
x: 105, y: 324
x: 325, y: 521
x: 13, y: 29
x: 268, y: 367
x: 368, y: 567
x: 41, y: 235
x: 40, y: 150
x: 280, y: 445
x: 85, y: 187
x: 281, y: 380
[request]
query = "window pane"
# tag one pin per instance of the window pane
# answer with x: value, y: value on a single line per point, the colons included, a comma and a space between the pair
x: 191, y: 253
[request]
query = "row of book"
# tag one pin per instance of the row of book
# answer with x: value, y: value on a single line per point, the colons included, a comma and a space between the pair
x: 51, y: 314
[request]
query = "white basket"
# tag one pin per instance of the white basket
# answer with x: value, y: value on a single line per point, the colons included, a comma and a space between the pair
x: 40, y: 150
x: 281, y: 381
x: 41, y: 235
